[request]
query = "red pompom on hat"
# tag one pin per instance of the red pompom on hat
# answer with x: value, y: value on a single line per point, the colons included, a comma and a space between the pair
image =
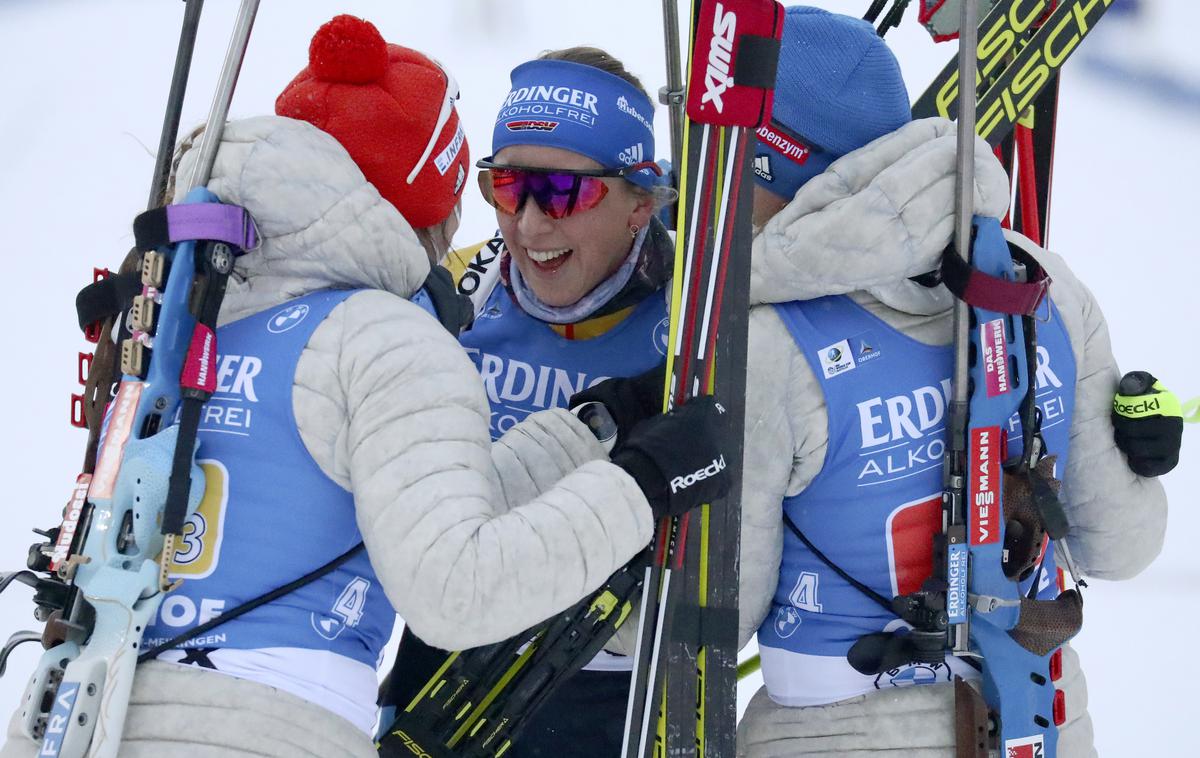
x: 383, y: 103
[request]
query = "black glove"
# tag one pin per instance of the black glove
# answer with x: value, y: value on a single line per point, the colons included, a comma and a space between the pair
x: 1148, y: 422
x: 677, y: 459
x: 629, y: 400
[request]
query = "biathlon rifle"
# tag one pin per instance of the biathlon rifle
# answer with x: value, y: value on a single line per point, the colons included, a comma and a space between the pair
x: 100, y: 578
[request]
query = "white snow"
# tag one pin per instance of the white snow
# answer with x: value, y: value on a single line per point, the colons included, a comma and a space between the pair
x: 82, y: 86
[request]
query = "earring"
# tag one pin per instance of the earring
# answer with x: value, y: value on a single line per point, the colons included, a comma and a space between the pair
x: 633, y: 230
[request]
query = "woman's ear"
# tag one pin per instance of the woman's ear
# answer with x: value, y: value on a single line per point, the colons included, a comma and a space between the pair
x: 643, y: 210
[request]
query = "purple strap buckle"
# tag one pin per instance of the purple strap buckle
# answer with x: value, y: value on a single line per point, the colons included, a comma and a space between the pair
x: 219, y: 222
x: 212, y: 221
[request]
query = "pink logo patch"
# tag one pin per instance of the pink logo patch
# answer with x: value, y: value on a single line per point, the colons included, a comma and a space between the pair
x: 995, y: 357
x: 198, y: 369
x: 985, y: 485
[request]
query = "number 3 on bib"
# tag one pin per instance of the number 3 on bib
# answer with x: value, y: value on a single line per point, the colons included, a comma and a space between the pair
x: 200, y: 551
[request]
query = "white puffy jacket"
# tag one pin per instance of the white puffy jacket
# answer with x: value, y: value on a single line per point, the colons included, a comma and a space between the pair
x: 473, y: 541
x: 876, y: 217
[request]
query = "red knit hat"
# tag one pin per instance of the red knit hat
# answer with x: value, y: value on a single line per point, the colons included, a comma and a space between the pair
x: 383, y: 103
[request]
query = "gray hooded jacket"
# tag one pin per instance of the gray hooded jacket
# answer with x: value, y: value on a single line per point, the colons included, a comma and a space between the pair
x: 876, y: 217
x: 472, y: 541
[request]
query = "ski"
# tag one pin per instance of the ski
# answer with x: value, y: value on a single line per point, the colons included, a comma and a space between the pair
x: 1036, y: 65
x: 1008, y: 39
x: 478, y: 701
x: 1020, y: 52
x: 102, y: 574
x: 1007, y: 22
x: 683, y: 692
x: 1034, y: 217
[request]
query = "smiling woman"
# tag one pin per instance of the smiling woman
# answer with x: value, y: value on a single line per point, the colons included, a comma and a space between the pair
x: 572, y: 136
x: 570, y: 292
x: 347, y: 443
x: 580, y: 227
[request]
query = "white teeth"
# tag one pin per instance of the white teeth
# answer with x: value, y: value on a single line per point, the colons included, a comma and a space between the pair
x: 542, y: 256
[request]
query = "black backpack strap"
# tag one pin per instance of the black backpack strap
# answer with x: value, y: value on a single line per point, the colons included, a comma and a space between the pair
x: 864, y: 589
x: 250, y: 605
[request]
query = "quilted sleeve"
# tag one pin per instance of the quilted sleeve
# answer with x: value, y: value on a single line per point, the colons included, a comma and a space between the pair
x: 391, y: 408
x: 1118, y: 519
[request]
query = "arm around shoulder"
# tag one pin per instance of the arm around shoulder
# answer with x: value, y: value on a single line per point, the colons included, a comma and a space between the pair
x: 403, y: 423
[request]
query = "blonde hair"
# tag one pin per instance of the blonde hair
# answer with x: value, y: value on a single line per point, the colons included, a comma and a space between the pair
x: 596, y: 58
x: 184, y: 145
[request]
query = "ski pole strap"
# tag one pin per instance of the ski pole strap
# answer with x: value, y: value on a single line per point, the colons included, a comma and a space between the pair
x: 250, y: 605
x: 994, y: 293
x: 219, y: 222
x: 864, y: 589
x: 107, y: 297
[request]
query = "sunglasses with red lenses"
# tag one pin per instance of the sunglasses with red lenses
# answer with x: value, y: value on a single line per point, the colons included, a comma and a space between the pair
x: 557, y: 192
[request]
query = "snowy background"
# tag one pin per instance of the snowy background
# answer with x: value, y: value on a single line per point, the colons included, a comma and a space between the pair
x: 82, y: 87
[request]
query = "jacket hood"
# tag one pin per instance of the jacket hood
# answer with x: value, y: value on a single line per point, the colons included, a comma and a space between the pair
x: 874, y: 218
x: 321, y: 224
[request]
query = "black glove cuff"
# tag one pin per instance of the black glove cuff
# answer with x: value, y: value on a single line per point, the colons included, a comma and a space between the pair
x: 644, y: 471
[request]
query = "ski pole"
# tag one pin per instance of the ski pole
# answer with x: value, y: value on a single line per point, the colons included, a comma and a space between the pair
x: 180, y: 481
x: 964, y: 206
x: 893, y: 18
x: 873, y: 12
x: 672, y: 94
x: 174, y: 110
x: 748, y: 667
x: 215, y: 124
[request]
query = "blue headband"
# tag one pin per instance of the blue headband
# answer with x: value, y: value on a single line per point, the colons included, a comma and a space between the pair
x: 578, y: 108
x: 782, y: 163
